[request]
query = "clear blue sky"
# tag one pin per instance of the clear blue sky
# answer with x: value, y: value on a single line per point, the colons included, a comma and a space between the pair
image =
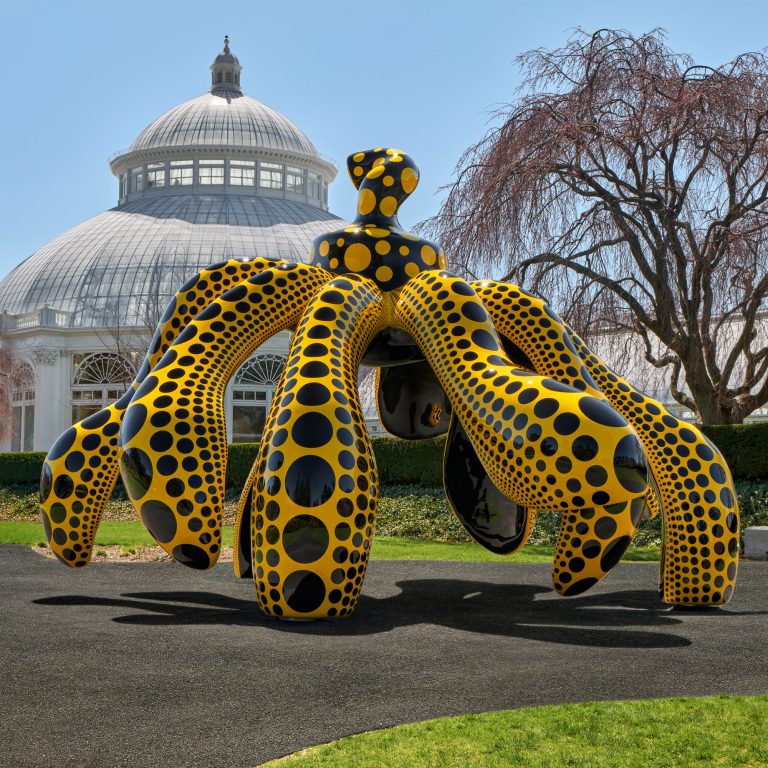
x: 84, y: 78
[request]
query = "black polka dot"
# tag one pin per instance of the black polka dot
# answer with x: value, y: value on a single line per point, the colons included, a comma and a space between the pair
x: 312, y: 430
x: 313, y: 394
x: 580, y: 586
x: 161, y: 441
x: 63, y: 486
x: 136, y: 471
x: 305, y: 538
x: 63, y: 444
x: 614, y: 551
x: 473, y: 311
x: 192, y: 556
x: 310, y: 481
x: 74, y: 461
x: 630, y: 464
x: 167, y: 465
x: 134, y: 420
x: 58, y: 512
x: 545, y: 407
x: 584, y: 448
x: 484, y: 339
x: 566, y: 423
x: 96, y: 420
x: 304, y: 591
x: 46, y: 482
x: 601, y: 413
x: 605, y: 527
x: 159, y: 520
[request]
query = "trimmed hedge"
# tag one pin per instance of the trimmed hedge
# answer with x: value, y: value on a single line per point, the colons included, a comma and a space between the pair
x: 745, y: 447
x: 420, y: 462
x: 21, y: 468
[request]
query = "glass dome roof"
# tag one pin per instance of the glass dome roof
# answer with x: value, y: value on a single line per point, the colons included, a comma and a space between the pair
x: 224, y: 118
x: 119, y: 268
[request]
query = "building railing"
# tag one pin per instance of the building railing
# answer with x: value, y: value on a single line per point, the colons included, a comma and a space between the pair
x: 45, y: 317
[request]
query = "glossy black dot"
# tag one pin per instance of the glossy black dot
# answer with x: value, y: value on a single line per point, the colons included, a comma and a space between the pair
x: 614, y: 551
x: 134, y: 420
x: 556, y: 386
x: 483, y: 339
x: 136, y: 470
x: 74, y: 461
x: 584, y: 448
x: 545, y: 407
x: 566, y: 423
x: 46, y: 482
x: 462, y: 288
x: 63, y: 444
x: 601, y: 413
x: 310, y: 481
x: 630, y: 464
x: 63, y: 486
x: 58, y: 512
x: 192, y: 556
x: 161, y: 441
x: 312, y: 430
x: 96, y: 420
x: 159, y: 520
x: 304, y: 591
x: 313, y: 394
x: 167, y: 465
x: 474, y: 311
x: 305, y: 538
x: 605, y: 527
x: 314, y: 370
x: 580, y: 586
x: 597, y: 476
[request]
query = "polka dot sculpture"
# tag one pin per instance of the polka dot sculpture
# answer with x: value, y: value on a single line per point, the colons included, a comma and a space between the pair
x: 535, y: 421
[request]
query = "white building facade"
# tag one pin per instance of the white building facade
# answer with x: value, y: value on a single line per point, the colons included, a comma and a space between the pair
x: 220, y: 176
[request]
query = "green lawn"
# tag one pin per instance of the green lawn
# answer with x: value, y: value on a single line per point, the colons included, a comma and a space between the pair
x: 718, y: 731
x: 133, y: 534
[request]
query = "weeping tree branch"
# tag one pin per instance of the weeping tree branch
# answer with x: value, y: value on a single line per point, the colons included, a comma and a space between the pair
x: 635, y: 196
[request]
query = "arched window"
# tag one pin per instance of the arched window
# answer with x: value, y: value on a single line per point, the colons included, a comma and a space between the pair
x: 218, y: 77
x: 98, y: 380
x: 252, y: 391
x: 23, y: 407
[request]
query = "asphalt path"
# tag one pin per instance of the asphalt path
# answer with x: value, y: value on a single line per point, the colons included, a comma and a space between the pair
x: 156, y: 665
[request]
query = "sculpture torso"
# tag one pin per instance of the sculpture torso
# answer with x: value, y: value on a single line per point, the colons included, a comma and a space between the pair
x: 375, y: 246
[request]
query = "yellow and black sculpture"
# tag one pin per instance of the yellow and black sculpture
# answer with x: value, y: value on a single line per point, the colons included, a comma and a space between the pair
x: 535, y: 422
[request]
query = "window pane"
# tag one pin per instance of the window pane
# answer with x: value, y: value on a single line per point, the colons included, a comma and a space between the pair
x: 16, y: 429
x: 155, y: 179
x: 29, y: 427
x: 271, y: 176
x: 181, y: 176
x: 294, y: 180
x: 211, y: 175
x: 80, y: 411
x: 211, y: 162
x: 247, y: 423
x: 241, y: 177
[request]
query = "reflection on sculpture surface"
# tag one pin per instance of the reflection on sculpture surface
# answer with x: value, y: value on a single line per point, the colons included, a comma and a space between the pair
x: 535, y: 422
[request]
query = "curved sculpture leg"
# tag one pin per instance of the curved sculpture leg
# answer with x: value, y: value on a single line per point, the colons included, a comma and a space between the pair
x: 544, y: 445
x: 243, y: 538
x: 494, y: 521
x: 315, y: 500
x: 698, y: 497
x: 81, y: 469
x: 528, y: 324
x: 174, y: 436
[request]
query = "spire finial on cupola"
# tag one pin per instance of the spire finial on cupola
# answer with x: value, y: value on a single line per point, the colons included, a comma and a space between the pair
x: 225, y: 72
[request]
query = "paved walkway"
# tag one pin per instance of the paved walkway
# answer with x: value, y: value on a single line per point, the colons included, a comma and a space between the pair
x: 156, y: 665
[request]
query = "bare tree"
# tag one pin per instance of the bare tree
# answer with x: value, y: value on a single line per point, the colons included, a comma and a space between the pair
x: 631, y: 187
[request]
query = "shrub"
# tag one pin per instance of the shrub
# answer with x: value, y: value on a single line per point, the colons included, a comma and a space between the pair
x: 20, y: 468
x: 745, y: 447
x: 409, y: 462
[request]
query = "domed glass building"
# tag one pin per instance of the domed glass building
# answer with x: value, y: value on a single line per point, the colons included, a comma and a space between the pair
x: 221, y: 176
